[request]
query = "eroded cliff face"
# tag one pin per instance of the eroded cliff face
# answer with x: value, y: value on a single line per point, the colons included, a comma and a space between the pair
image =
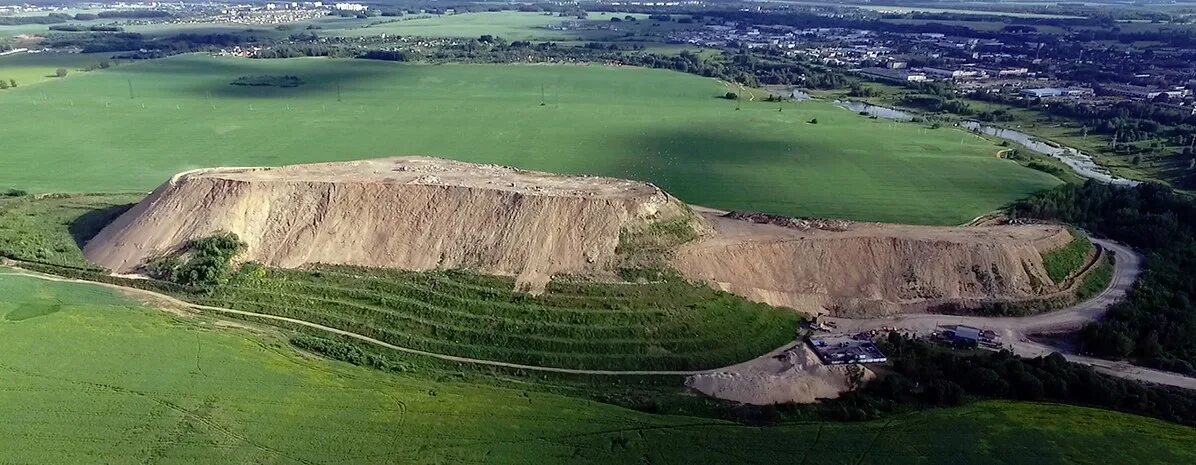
x: 412, y: 213
x: 867, y: 270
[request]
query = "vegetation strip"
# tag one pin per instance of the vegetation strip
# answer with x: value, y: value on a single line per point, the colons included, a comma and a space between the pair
x: 367, y: 339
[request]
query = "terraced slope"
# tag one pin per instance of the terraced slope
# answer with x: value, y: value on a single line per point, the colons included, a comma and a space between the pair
x: 584, y: 325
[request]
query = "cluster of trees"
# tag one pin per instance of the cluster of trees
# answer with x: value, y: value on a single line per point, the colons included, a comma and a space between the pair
x: 934, y: 103
x: 1131, y: 120
x: 295, y: 50
x: 268, y: 81
x: 1156, y: 324
x: 82, y: 28
x: 94, y: 42
x: 126, y: 14
x: 346, y: 352
x: 52, y: 18
x: 59, y: 18
x: 7, y: 83
x: 858, y: 90
x: 927, y: 374
x: 746, y: 67
x: 204, y: 263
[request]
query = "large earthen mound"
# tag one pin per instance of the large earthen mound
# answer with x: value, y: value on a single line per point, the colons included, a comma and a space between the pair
x: 420, y: 213
x: 413, y: 213
x: 867, y: 269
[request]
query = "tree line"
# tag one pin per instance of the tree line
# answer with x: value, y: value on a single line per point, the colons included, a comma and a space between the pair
x: 1156, y: 324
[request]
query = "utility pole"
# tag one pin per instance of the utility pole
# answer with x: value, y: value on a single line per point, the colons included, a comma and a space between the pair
x: 542, y: 95
x: 132, y: 96
x: 338, y: 91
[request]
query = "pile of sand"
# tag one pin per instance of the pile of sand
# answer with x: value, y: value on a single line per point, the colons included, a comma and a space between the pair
x: 412, y: 213
x: 793, y: 374
x: 871, y: 270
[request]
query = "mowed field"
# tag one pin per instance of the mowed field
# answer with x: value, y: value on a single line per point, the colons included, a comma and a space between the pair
x: 92, y: 378
x: 85, y: 134
x: 32, y: 68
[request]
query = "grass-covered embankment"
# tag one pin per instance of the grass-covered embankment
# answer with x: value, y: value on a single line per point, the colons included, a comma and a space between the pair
x: 1061, y: 263
x: 100, y: 379
x: 666, y: 325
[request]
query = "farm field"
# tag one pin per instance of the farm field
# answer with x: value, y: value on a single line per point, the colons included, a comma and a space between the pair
x: 811, y: 159
x: 99, y: 379
x: 33, y: 68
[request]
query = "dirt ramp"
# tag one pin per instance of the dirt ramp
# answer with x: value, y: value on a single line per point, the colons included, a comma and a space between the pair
x: 868, y: 270
x: 409, y: 212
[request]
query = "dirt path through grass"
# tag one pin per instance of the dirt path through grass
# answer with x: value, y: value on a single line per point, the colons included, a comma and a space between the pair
x: 159, y: 297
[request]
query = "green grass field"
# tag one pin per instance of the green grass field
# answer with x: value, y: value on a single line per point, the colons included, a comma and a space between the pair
x: 34, y: 68
x: 665, y: 127
x: 92, y: 378
x: 50, y: 230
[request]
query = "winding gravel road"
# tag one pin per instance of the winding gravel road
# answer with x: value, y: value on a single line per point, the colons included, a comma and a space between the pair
x: 1015, y: 331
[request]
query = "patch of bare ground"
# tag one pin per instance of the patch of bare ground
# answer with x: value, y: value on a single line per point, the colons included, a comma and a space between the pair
x: 791, y: 374
x: 868, y: 269
x: 413, y: 213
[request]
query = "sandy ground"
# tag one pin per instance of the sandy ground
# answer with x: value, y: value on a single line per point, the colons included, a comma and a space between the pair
x: 437, y: 172
x: 1016, y: 332
x: 413, y: 213
x: 789, y: 374
x: 869, y: 269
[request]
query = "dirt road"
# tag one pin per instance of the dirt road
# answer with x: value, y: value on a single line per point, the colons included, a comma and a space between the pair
x: 1127, y: 267
x: 1015, y: 331
x: 159, y: 297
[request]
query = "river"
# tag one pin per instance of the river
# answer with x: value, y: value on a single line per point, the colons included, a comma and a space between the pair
x: 1081, y: 163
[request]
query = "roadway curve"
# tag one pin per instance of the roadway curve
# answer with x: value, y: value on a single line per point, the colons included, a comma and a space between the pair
x: 1015, y: 331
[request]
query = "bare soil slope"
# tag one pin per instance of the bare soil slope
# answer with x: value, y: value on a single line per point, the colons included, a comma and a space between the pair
x: 407, y: 212
x: 867, y: 269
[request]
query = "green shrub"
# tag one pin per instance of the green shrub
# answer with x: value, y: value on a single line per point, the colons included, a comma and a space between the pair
x: 204, y: 262
x: 1062, y: 262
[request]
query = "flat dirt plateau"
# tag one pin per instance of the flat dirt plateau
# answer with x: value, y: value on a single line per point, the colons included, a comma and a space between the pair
x: 420, y: 213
